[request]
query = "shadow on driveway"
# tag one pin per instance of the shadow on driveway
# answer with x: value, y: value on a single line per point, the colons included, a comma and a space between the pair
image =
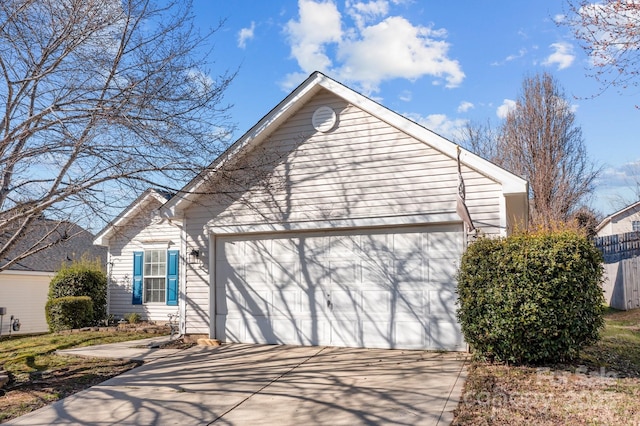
x: 272, y: 385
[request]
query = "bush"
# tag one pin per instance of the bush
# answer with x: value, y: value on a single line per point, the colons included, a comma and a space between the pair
x: 83, y: 278
x: 531, y: 298
x: 132, y: 318
x: 64, y: 313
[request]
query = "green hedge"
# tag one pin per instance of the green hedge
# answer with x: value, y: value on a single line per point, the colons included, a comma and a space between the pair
x: 64, y: 313
x: 83, y: 278
x: 531, y: 298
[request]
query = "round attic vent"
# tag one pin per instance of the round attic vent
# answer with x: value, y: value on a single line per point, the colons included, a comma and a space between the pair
x: 324, y: 118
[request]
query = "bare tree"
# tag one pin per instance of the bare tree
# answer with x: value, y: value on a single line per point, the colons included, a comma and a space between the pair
x: 481, y: 139
x: 610, y: 33
x: 98, y: 100
x: 540, y: 141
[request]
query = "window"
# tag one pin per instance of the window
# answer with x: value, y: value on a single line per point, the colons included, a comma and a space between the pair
x: 635, y: 226
x: 155, y: 277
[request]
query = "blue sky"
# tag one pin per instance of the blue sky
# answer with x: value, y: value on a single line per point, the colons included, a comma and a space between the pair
x: 439, y: 63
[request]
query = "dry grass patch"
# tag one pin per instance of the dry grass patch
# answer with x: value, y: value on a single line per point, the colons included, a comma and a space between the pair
x: 39, y: 377
x: 601, y: 387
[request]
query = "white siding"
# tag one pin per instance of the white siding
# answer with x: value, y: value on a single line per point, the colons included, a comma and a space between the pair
x: 361, y: 170
x: 139, y: 234
x: 24, y: 295
x: 624, y: 222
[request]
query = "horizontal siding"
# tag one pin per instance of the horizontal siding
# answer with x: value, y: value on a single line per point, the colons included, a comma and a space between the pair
x: 363, y: 169
x: 139, y: 234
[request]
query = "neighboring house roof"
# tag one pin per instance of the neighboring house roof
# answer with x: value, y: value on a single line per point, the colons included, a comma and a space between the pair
x: 138, y: 204
x: 75, y: 242
x: 615, y: 215
x: 511, y: 184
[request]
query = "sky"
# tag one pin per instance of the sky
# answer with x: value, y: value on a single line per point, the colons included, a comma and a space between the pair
x: 441, y: 64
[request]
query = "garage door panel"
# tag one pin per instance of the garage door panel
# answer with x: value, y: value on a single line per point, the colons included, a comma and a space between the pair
x: 344, y: 333
x: 344, y: 272
x: 409, y: 271
x: 407, y: 244
x: 444, y: 239
x: 410, y: 334
x: 377, y: 334
x: 286, y: 302
x: 440, y: 303
x: 343, y: 246
x: 445, y: 335
x: 443, y: 271
x: 376, y: 302
x: 376, y: 288
x: 377, y: 275
x: 285, y: 274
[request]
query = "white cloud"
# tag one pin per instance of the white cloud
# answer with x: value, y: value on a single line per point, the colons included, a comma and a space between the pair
x: 439, y: 123
x: 405, y: 96
x: 465, y: 106
x: 394, y: 48
x: 364, y: 12
x: 562, y: 56
x: 319, y: 24
x: 507, y: 106
x: 377, y: 49
x: 559, y: 18
x: 521, y: 53
x: 246, y: 34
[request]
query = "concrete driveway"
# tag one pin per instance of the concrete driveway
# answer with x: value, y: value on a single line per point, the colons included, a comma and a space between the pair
x: 271, y: 385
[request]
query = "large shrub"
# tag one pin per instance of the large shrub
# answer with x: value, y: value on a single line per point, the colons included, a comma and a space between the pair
x: 531, y: 298
x: 83, y: 278
x: 64, y: 313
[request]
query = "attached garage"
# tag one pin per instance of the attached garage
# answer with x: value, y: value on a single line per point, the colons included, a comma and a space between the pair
x: 378, y: 288
x: 332, y: 221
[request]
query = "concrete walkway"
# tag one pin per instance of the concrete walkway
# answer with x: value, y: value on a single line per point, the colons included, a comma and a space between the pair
x: 270, y: 385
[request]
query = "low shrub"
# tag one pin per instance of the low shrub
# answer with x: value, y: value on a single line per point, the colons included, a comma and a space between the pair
x: 64, y: 313
x: 531, y: 298
x: 83, y: 278
x: 132, y: 318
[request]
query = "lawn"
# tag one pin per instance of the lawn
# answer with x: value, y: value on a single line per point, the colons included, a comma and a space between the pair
x: 601, y: 387
x: 38, y: 376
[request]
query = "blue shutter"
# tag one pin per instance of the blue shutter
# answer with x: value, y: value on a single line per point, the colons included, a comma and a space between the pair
x: 172, y: 277
x: 138, y: 257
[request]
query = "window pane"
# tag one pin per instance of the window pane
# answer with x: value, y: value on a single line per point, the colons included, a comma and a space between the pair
x: 154, y: 290
x: 155, y: 267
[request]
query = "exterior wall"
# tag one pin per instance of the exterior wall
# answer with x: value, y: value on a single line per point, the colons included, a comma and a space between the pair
x: 621, y: 222
x: 24, y: 294
x: 364, y: 172
x: 140, y: 233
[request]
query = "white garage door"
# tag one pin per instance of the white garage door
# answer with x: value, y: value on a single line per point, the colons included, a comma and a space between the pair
x: 385, y: 288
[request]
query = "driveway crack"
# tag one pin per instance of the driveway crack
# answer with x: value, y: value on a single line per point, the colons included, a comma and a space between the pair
x: 267, y: 385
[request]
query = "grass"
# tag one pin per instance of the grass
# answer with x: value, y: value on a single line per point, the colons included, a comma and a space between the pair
x: 601, y: 387
x: 38, y: 376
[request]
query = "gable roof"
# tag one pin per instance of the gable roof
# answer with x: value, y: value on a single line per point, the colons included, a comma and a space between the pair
x: 173, y: 205
x: 511, y: 184
x: 75, y: 242
x: 151, y: 194
x: 612, y: 216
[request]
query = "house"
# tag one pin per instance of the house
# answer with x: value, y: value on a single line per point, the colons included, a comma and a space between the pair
x: 24, y: 286
x: 618, y: 238
x: 621, y: 222
x: 332, y: 221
